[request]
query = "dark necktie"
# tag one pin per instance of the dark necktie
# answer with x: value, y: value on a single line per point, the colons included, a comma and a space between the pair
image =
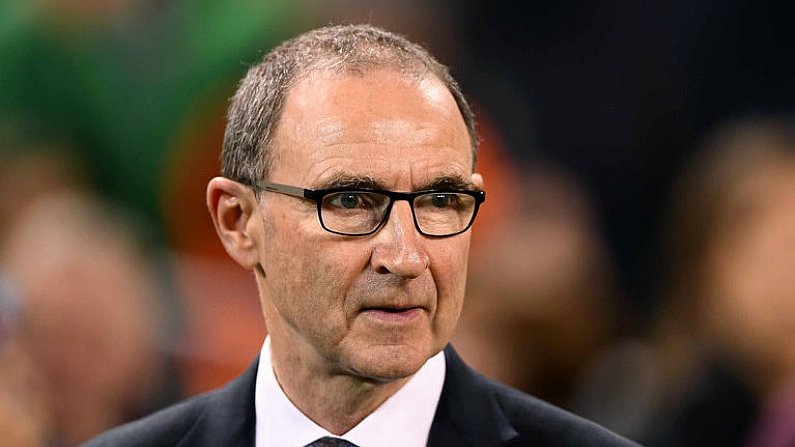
x: 331, y: 442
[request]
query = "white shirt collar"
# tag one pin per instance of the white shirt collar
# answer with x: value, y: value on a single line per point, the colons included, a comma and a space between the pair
x: 407, y: 415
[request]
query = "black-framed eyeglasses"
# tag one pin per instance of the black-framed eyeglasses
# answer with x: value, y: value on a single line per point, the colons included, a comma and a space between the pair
x: 361, y: 211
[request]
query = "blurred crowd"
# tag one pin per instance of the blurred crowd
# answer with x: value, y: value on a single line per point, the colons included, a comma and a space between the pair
x: 633, y: 261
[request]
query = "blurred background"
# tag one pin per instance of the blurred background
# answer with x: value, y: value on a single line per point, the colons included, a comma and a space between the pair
x: 634, y: 263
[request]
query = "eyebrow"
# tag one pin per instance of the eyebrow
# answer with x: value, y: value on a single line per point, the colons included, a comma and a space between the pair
x: 358, y: 181
x: 354, y: 181
x: 449, y: 181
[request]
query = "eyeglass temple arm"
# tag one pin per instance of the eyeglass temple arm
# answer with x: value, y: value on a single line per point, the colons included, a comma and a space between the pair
x: 283, y: 189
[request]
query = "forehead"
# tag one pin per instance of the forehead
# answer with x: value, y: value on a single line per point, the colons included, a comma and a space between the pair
x: 379, y: 124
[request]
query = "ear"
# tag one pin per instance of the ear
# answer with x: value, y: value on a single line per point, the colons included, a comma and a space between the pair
x: 477, y: 179
x: 232, y: 207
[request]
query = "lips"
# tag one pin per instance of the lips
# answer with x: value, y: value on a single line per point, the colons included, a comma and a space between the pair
x: 391, y: 307
x: 394, y: 309
x: 394, y: 315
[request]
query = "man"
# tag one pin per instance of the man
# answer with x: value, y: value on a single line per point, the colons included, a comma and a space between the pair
x: 348, y: 189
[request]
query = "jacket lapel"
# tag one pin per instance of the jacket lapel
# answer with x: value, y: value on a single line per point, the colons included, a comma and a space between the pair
x: 228, y: 419
x: 468, y: 414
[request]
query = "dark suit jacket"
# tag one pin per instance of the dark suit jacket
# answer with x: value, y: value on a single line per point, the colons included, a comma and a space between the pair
x: 473, y: 412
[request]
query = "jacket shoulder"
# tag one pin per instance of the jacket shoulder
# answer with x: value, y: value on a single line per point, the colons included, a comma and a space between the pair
x: 477, y: 411
x: 164, y: 428
x: 540, y: 423
x: 220, y: 418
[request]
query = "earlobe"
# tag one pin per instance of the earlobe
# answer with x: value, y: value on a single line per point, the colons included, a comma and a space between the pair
x: 232, y: 207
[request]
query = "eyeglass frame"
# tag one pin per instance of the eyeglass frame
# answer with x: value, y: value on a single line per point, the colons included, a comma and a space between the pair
x: 317, y: 196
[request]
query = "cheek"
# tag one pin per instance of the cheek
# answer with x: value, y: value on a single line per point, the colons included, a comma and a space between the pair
x: 307, y: 275
x: 449, y: 269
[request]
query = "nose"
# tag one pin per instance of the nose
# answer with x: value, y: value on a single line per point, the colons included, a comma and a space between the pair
x: 400, y: 248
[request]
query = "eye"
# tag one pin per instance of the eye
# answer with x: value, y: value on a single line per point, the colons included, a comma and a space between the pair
x: 346, y: 200
x: 441, y: 200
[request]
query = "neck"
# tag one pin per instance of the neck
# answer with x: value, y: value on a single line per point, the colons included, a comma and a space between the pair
x: 333, y: 399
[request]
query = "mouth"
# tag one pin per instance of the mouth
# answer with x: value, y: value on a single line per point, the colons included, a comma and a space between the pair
x: 393, y: 315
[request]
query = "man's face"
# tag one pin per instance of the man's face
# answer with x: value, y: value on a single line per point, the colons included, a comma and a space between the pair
x: 374, y: 306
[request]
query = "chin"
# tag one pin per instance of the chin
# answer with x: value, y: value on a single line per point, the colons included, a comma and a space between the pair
x: 390, y: 363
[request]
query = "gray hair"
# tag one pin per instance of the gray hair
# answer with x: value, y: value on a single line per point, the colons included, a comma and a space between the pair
x: 256, y: 107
